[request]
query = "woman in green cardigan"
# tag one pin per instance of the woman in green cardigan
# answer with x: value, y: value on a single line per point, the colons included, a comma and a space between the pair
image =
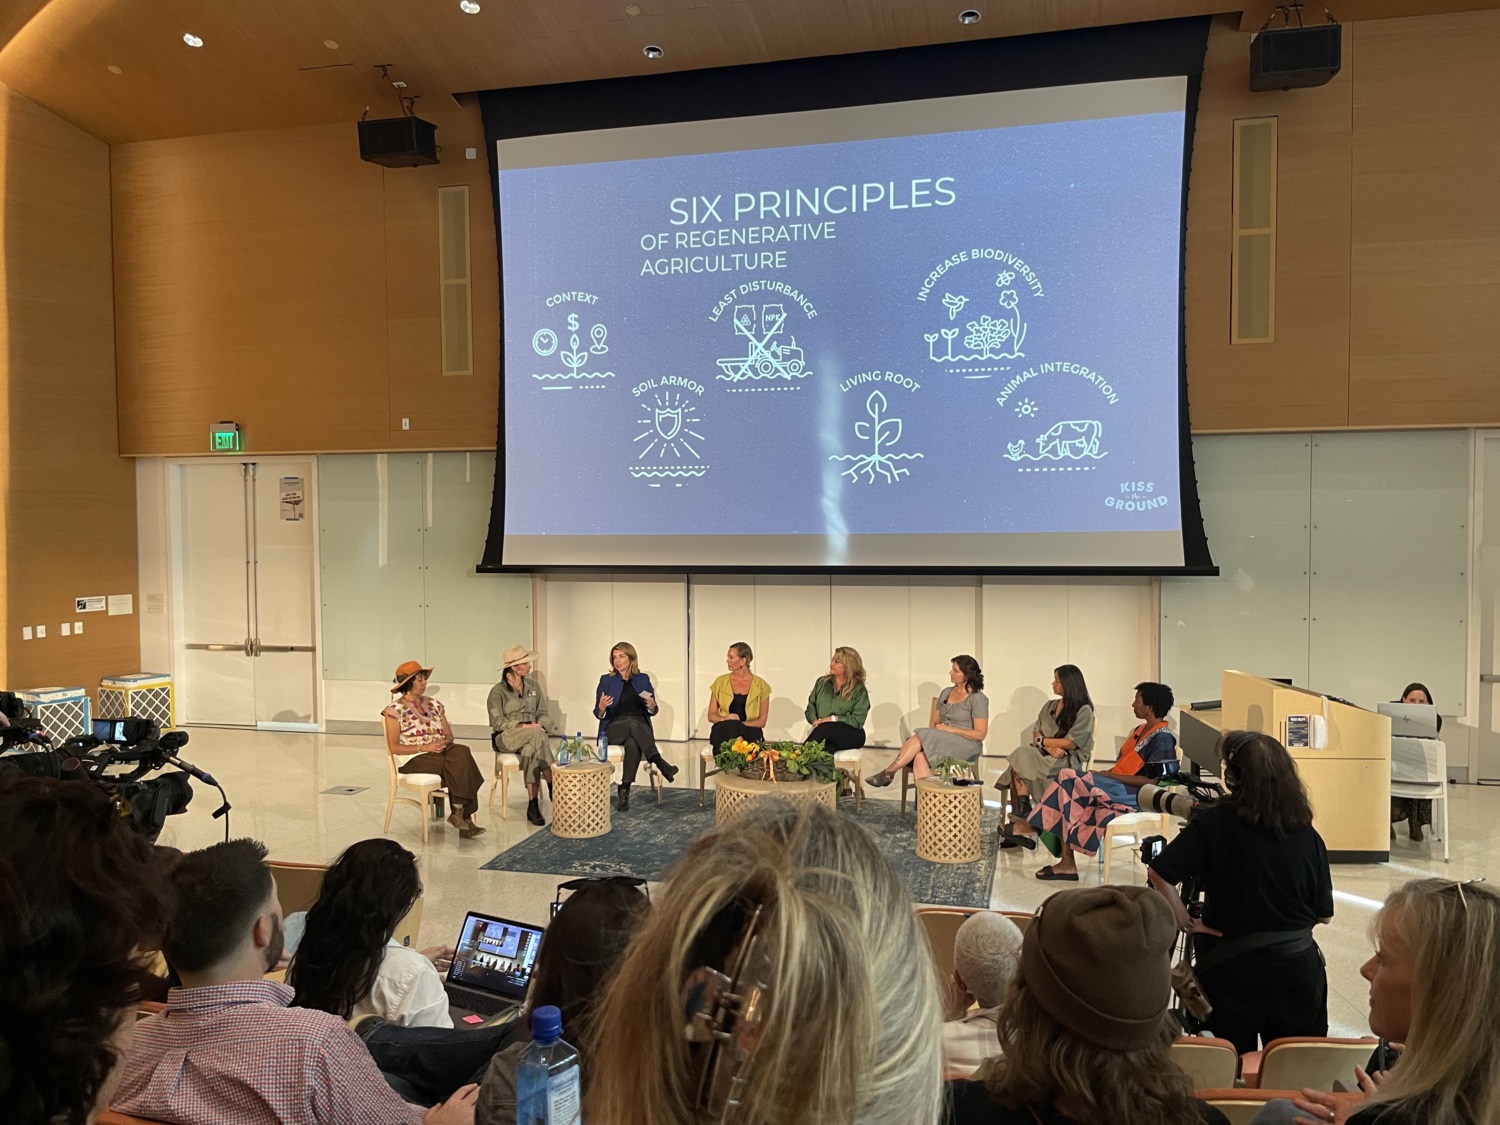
x: 839, y: 703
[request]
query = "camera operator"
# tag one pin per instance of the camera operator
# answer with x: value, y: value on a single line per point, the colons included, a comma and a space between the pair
x: 1264, y: 873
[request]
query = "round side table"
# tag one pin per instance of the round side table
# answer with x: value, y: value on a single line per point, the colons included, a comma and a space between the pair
x: 580, y: 800
x: 948, y: 821
x: 734, y: 795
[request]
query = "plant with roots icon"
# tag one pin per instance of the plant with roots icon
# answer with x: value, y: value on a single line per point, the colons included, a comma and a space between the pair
x: 882, y: 433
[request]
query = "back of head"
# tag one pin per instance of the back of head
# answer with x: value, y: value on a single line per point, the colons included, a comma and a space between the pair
x: 849, y: 1029
x: 1264, y: 787
x: 1086, y: 1026
x: 581, y: 947
x: 221, y: 890
x: 81, y: 898
x: 986, y: 951
x: 365, y: 894
x: 1449, y: 1073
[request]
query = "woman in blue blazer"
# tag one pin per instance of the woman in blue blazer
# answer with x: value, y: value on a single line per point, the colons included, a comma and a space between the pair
x: 624, y: 709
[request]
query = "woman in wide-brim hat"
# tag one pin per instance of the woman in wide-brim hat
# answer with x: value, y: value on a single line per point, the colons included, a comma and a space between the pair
x: 418, y: 726
x: 518, y: 720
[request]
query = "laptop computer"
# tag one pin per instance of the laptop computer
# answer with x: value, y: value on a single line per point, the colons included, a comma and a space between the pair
x: 1411, y: 720
x: 492, y: 964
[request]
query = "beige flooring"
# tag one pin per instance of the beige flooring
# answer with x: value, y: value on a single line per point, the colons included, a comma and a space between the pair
x: 275, y: 782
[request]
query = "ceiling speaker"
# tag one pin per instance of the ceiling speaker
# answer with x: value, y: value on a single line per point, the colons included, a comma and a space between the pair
x: 1294, y: 57
x: 398, y: 142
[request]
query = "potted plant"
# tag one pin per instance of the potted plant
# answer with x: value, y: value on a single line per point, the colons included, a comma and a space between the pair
x: 952, y: 770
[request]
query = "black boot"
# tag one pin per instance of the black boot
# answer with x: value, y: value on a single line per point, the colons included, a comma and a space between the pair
x: 624, y: 801
x: 668, y: 770
x: 534, y: 812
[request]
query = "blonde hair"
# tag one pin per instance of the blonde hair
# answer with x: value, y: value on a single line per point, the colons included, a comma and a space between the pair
x: 1042, y: 1062
x: 1449, y: 1073
x: 629, y: 650
x: 852, y: 1026
x: 854, y: 670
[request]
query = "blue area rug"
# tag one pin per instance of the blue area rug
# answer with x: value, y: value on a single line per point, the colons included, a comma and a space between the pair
x: 647, y: 840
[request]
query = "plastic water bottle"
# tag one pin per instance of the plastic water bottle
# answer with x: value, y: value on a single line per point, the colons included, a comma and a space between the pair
x: 562, y: 753
x: 547, y: 1086
x: 604, y: 748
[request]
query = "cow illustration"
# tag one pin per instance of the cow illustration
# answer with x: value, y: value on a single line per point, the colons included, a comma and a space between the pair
x: 1069, y: 440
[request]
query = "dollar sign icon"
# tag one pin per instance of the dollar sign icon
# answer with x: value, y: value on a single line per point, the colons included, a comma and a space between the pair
x: 572, y: 322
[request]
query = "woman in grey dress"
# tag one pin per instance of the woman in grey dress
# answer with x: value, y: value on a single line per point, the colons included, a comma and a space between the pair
x: 1063, y: 738
x: 960, y: 720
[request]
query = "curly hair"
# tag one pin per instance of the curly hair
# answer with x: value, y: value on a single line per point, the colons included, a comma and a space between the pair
x: 82, y: 898
x: 365, y: 894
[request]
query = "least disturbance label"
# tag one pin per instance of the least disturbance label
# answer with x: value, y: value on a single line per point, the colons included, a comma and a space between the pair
x: 563, y: 1098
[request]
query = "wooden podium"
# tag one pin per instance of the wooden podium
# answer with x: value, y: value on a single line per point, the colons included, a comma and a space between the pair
x: 1348, y: 780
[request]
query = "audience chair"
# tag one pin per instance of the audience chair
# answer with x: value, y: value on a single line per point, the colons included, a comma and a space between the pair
x: 1297, y: 1061
x: 297, y: 884
x: 110, y: 1117
x: 1241, y: 1105
x: 1210, y: 1063
x: 1423, y: 770
x: 1127, y: 831
x: 418, y: 789
x: 653, y: 775
x: 506, y: 764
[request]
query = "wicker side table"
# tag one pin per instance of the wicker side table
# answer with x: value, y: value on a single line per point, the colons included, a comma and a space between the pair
x: 580, y: 800
x: 947, y: 821
x: 734, y: 795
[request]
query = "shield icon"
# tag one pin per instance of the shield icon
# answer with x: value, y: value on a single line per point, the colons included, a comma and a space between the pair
x: 668, y: 422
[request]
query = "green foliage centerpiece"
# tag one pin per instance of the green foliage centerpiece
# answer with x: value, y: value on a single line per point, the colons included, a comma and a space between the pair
x: 776, y: 761
x: 952, y: 769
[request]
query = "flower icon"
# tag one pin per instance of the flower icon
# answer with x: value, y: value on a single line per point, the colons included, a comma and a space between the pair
x: 1008, y: 299
x: 1026, y: 409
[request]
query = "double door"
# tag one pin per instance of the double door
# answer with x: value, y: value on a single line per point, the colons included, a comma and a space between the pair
x: 244, y: 596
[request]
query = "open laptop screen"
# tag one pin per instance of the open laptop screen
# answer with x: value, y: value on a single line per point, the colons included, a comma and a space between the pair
x: 495, y: 955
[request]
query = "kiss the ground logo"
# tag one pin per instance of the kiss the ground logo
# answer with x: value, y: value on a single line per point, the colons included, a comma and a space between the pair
x: 980, y: 323
x: 878, y: 433
x: 670, y: 444
x: 574, y: 350
x: 765, y: 355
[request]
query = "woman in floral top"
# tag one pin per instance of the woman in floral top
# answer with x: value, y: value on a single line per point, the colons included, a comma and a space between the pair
x: 418, y: 726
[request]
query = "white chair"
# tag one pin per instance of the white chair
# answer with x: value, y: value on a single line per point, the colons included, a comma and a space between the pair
x: 417, y: 789
x: 506, y: 764
x: 706, y: 770
x: 851, y: 763
x: 1419, y: 770
x: 1127, y: 831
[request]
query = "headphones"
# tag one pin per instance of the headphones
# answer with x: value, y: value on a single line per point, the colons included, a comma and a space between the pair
x: 1231, y: 748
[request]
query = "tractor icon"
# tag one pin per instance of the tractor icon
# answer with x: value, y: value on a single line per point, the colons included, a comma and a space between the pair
x: 765, y: 356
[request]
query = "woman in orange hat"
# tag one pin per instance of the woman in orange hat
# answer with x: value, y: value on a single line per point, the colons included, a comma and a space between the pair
x: 418, y: 726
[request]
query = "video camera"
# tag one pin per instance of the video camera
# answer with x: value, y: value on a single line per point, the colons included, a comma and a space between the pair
x: 1185, y: 799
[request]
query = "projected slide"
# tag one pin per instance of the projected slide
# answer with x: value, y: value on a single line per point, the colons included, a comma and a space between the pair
x: 938, y: 333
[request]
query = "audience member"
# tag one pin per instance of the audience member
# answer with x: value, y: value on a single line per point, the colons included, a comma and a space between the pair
x: 346, y: 961
x: 833, y: 1017
x: 580, y: 948
x: 1435, y: 988
x: 1416, y: 811
x: 1264, y: 873
x: 985, y: 954
x: 1085, y: 1035
x: 227, y: 1047
x: 80, y: 900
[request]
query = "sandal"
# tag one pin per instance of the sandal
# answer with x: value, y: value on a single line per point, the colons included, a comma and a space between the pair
x: 1011, y: 840
x: 1047, y: 875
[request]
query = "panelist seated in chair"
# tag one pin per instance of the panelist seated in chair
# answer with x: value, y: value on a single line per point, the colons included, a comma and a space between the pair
x: 1062, y: 738
x: 518, y: 724
x: 838, y: 703
x: 1075, y: 808
x: 960, y: 719
x: 739, y: 701
x: 416, y: 728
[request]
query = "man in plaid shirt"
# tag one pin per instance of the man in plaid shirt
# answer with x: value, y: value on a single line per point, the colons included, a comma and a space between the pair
x: 228, y: 1050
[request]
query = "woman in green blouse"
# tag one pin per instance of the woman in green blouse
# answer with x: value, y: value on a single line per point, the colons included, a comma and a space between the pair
x: 839, y: 703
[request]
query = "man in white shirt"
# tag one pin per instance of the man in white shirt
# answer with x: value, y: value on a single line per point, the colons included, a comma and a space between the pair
x: 986, y: 950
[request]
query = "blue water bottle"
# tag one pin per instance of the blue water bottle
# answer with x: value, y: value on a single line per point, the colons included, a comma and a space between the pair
x: 547, y: 1085
x: 603, y: 747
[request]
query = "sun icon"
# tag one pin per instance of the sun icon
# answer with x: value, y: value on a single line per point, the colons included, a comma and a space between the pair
x: 669, y: 426
x: 1026, y: 409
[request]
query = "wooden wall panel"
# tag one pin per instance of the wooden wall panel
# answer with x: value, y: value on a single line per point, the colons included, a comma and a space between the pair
x: 1299, y: 381
x: 1425, y: 339
x: 275, y: 279
x: 68, y: 496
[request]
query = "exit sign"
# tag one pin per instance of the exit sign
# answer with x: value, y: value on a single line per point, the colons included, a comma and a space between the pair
x: 224, y: 437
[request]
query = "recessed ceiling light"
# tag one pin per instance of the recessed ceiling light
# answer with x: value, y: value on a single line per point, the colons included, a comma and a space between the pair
x: 632, y: 9
x: 652, y: 51
x: 113, y: 69
x: 969, y: 16
x: 192, y: 40
x: 330, y: 44
x: 470, y: 6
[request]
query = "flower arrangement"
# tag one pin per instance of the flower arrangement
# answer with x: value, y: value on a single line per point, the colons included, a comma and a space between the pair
x: 952, y: 769
x: 776, y: 761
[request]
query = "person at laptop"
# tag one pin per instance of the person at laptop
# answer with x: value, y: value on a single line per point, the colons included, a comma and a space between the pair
x: 228, y: 1047
x: 347, y: 962
x: 1414, y: 810
x: 582, y: 943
